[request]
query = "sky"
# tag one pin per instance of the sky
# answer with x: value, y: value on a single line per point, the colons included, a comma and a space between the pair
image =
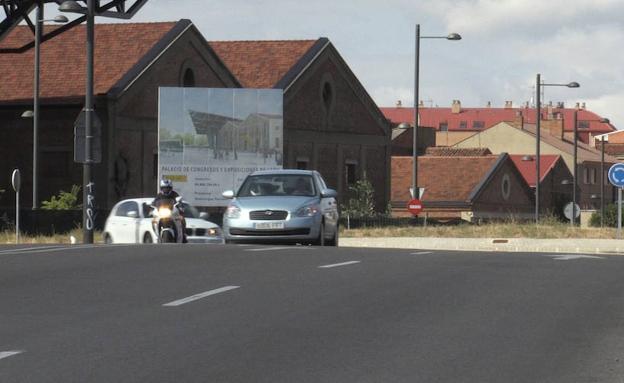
x: 505, y: 44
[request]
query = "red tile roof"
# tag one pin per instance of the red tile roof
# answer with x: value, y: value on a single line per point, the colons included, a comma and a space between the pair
x: 118, y: 47
x: 444, y: 178
x: 526, y: 166
x: 447, y: 151
x: 432, y: 117
x: 260, y: 64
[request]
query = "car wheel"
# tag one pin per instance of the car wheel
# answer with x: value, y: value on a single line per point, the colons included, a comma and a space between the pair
x: 320, y: 241
x: 334, y: 241
x: 147, y: 238
x: 108, y: 239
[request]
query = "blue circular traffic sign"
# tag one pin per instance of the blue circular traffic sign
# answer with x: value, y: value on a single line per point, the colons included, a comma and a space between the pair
x: 616, y: 175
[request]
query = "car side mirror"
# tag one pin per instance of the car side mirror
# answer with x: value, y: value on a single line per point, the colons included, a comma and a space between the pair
x: 229, y: 194
x: 132, y: 214
x: 203, y: 215
x: 329, y: 193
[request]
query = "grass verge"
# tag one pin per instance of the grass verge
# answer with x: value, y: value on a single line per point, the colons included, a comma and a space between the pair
x: 8, y: 237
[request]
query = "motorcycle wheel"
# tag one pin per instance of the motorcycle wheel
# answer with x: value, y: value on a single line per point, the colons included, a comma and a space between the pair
x: 166, y: 237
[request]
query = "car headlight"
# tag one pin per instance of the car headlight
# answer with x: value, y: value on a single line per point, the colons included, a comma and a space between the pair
x: 233, y: 212
x: 214, y: 232
x: 308, y: 211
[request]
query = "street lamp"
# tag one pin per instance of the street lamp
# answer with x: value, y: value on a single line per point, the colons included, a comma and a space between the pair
x: 87, y: 194
x: 602, y: 180
x: 538, y: 86
x: 452, y: 37
x: 34, y: 114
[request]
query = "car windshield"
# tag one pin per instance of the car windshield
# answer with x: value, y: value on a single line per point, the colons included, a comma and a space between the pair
x: 278, y: 185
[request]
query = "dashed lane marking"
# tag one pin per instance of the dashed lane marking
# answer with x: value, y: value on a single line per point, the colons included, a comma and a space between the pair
x: 422, y: 252
x: 200, y: 296
x: 6, y: 354
x: 338, y: 264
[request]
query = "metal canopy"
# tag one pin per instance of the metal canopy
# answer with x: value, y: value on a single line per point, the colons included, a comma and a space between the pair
x: 14, y: 12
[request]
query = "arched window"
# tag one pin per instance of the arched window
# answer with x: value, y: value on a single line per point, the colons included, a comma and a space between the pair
x: 189, y: 78
x: 327, y: 95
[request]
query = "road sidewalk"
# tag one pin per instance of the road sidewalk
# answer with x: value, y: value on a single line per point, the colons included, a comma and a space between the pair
x: 566, y: 245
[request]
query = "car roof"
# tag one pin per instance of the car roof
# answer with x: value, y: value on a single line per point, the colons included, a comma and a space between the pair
x: 284, y: 172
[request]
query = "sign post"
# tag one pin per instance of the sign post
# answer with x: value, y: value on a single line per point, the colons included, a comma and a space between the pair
x: 616, y: 177
x: 16, y: 181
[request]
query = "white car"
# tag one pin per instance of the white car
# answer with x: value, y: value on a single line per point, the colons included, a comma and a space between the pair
x: 130, y: 221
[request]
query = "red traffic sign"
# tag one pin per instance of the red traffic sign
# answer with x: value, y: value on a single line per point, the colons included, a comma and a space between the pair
x: 415, y: 206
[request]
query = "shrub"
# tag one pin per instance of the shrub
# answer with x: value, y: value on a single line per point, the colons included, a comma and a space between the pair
x: 361, y: 202
x: 64, y: 200
x: 610, y: 217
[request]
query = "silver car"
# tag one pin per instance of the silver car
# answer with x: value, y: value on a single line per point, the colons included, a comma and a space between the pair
x: 293, y: 206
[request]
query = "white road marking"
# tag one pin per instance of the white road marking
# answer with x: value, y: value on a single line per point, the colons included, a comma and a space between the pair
x: 200, y: 296
x: 50, y: 249
x: 422, y: 252
x: 21, y: 249
x: 567, y: 257
x: 279, y: 248
x: 6, y: 354
x: 338, y: 264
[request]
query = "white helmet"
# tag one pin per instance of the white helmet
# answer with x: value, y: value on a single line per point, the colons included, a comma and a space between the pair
x: 166, y: 186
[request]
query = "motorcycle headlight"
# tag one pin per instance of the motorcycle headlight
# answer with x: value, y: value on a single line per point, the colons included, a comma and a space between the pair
x: 307, y: 211
x: 233, y: 212
x: 164, y: 212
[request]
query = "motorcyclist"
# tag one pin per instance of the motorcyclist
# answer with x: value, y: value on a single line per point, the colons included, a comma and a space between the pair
x: 168, y: 196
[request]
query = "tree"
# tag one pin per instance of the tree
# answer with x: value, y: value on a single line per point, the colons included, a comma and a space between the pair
x: 362, y: 202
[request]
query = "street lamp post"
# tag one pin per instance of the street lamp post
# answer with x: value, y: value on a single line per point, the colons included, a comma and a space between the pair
x: 35, y: 113
x: 538, y: 117
x: 452, y: 37
x: 87, y: 193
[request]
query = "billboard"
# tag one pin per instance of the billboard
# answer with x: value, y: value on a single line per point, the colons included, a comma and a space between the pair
x: 209, y: 139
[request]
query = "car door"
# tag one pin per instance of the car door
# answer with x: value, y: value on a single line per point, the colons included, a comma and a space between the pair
x: 329, y: 207
x: 126, y: 222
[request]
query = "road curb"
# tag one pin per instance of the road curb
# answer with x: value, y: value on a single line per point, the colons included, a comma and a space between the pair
x: 525, y: 245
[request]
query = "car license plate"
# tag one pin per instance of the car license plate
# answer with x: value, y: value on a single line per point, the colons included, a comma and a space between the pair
x: 269, y: 225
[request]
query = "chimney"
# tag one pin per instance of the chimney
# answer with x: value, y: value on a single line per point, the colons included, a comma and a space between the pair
x: 489, y: 104
x: 549, y: 110
x: 399, y: 104
x: 526, y: 105
x: 456, y: 107
x: 583, y: 106
x: 421, y: 104
x: 508, y: 104
x: 554, y: 126
x: 561, y: 105
x: 578, y: 105
x: 518, y: 120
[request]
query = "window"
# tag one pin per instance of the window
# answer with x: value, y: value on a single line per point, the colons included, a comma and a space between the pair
x: 350, y: 173
x: 583, y: 124
x: 126, y: 207
x: 463, y: 124
x: 592, y: 176
x: 189, y: 78
x: 444, y: 126
x: 327, y: 94
x: 585, y: 176
x: 478, y: 125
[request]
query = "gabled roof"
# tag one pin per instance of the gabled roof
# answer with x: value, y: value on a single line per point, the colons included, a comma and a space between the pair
x: 526, y: 165
x: 433, y: 117
x: 262, y: 64
x: 119, y: 50
x: 445, y: 179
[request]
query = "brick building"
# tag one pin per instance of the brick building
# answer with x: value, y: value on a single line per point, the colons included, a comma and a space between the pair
x: 470, y: 188
x: 330, y: 122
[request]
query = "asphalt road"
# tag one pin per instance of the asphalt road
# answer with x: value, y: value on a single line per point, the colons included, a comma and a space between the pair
x: 193, y: 313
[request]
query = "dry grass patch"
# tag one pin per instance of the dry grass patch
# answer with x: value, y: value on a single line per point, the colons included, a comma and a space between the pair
x: 8, y: 237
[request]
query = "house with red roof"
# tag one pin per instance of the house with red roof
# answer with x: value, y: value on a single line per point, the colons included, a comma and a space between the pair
x: 463, y: 187
x: 457, y: 123
x: 519, y: 138
x: 331, y: 124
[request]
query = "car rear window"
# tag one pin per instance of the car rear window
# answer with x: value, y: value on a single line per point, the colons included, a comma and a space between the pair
x: 278, y: 185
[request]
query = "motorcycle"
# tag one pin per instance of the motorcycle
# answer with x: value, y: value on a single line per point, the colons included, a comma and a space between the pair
x: 166, y: 218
